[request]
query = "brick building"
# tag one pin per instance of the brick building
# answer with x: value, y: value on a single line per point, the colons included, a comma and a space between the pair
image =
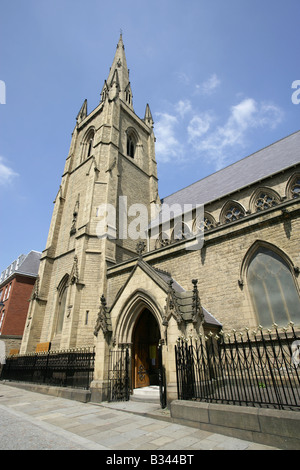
x: 236, y: 265
x: 16, y: 287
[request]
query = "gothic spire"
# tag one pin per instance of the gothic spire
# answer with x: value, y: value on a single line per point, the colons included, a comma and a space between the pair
x: 120, y: 65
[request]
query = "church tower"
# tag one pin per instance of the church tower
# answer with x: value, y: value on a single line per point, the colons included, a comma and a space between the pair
x: 111, y: 163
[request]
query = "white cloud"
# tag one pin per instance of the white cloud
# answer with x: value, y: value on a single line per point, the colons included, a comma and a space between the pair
x: 167, y: 144
x: 244, y: 117
x: 198, y: 126
x: 209, y: 86
x: 183, y: 107
x: 184, y: 132
x: 6, y: 173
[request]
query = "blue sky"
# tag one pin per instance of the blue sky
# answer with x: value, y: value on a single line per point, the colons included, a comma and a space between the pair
x: 217, y: 76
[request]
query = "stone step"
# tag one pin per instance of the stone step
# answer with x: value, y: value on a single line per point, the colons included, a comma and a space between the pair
x: 147, y: 394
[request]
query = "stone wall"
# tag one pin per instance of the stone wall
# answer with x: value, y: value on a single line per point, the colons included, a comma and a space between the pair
x: 277, y: 428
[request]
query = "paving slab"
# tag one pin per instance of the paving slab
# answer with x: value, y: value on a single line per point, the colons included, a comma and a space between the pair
x: 31, y: 420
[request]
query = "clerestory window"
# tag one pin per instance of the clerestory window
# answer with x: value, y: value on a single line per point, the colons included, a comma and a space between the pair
x: 181, y: 232
x: 162, y: 240
x: 265, y: 201
x: 295, y: 188
x: 233, y: 213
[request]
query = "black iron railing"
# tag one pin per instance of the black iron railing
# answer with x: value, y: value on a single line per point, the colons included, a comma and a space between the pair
x: 162, y: 379
x: 72, y: 368
x: 258, y: 369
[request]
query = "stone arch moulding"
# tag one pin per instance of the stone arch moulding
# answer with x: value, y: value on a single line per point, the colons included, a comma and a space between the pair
x: 253, y: 248
x: 88, y: 136
x: 130, y: 312
x: 64, y: 282
x: 131, y: 131
x: 256, y: 194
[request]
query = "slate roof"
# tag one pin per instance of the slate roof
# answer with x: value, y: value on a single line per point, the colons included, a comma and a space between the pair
x: 184, y: 300
x: 185, y: 305
x: 271, y: 160
x: 27, y: 265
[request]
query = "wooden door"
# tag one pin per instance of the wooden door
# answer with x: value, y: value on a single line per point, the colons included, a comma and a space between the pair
x: 141, y: 365
x: 145, y: 341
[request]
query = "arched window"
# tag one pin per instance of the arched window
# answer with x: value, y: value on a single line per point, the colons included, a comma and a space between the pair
x: 264, y: 201
x: 88, y: 145
x: 293, y: 187
x: 272, y: 288
x: 162, y: 240
x: 128, y: 94
x: 204, y: 223
x: 263, y: 198
x: 62, y: 300
x: 131, y: 143
x: 231, y: 212
x: 209, y: 222
x: 130, y: 146
x: 181, y: 232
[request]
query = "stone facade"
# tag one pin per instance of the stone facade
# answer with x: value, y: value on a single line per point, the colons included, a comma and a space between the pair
x: 97, y: 172
x: 94, y: 289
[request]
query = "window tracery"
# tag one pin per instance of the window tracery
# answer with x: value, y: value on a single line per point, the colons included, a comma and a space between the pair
x: 272, y: 288
x: 265, y: 200
x: 162, y: 240
x: 232, y: 212
x: 181, y: 232
x: 295, y: 187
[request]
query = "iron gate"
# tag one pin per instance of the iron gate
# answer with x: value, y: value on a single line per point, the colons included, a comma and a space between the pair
x: 118, y: 375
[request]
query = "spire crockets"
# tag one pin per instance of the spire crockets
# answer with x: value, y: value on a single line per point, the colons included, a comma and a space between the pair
x: 119, y: 76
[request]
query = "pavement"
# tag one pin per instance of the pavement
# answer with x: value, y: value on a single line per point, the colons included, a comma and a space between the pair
x: 34, y: 421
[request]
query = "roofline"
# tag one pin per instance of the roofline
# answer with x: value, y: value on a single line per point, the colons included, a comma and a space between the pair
x: 234, y: 163
x: 15, y: 274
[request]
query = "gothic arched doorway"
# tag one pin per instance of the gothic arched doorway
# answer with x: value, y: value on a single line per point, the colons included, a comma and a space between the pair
x: 146, y: 336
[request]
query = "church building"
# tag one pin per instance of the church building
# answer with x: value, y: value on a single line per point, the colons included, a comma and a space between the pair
x: 222, y: 253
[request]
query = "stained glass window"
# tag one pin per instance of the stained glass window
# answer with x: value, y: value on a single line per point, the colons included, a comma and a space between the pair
x: 273, y: 290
